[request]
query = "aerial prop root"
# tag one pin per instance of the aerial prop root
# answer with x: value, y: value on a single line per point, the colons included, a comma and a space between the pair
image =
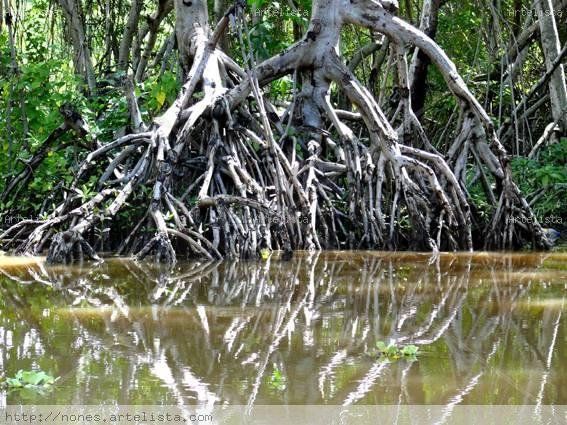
x: 424, y: 176
x: 488, y: 146
x: 150, y: 149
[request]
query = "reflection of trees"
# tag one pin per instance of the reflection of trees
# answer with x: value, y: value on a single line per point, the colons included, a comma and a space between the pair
x: 211, y: 332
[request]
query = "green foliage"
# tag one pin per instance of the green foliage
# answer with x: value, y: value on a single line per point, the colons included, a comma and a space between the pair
x: 394, y: 352
x: 40, y: 88
x: 477, y: 194
x: 30, y: 379
x: 282, y: 88
x: 273, y: 29
x: 264, y: 254
x: 30, y: 100
x: 158, y: 92
x: 546, y: 178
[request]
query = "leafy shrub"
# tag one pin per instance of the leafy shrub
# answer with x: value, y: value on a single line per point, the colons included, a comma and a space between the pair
x: 545, y: 178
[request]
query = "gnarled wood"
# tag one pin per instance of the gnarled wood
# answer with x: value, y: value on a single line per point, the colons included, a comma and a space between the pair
x: 223, y: 174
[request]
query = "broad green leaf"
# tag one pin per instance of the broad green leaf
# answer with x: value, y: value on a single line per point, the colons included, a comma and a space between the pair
x: 160, y: 98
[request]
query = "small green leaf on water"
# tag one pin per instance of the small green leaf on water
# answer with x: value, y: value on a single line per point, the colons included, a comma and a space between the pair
x: 277, y: 380
x: 409, y: 350
x: 13, y: 383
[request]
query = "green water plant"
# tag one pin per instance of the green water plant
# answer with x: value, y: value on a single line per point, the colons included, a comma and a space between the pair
x: 277, y: 380
x: 30, y: 379
x: 393, y: 352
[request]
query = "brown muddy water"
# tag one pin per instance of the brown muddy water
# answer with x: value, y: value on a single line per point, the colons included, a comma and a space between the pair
x: 491, y: 329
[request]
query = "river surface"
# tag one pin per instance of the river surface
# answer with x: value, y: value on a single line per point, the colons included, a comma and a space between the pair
x: 491, y: 329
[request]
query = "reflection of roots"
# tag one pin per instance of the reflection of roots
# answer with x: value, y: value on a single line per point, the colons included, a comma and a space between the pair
x: 225, y: 174
x: 428, y: 312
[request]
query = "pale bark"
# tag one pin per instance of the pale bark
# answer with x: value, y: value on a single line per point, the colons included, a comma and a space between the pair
x: 551, y: 49
x: 82, y: 59
x: 130, y: 29
x: 150, y: 30
x: 191, y: 22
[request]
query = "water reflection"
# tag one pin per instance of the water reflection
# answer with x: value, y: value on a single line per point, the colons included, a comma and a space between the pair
x: 490, y: 326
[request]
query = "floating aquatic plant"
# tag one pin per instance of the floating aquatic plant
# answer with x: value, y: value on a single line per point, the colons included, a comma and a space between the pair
x: 30, y: 379
x: 394, y: 352
x: 277, y: 380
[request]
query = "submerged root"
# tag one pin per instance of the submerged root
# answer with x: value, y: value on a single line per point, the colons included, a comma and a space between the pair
x: 161, y: 249
x: 68, y: 247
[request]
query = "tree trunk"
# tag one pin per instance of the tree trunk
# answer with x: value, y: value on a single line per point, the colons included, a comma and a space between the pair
x: 83, y: 61
x: 151, y: 28
x: 191, y: 28
x: 551, y: 48
x: 130, y: 29
x: 420, y: 61
x: 221, y: 7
